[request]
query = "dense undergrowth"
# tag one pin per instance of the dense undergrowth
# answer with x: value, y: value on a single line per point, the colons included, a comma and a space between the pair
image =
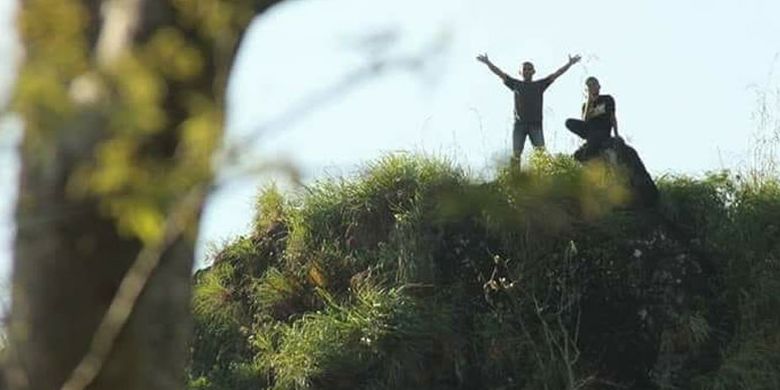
x: 413, y: 275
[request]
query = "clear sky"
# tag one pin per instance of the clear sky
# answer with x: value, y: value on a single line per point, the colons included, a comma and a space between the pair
x: 684, y: 74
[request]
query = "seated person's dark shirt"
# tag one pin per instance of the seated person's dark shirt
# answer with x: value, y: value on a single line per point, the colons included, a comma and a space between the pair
x: 598, y: 114
x: 528, y: 98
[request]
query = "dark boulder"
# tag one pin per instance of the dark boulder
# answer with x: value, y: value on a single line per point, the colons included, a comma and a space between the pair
x: 616, y: 153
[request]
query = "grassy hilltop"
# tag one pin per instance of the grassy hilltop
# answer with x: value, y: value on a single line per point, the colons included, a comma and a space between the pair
x: 413, y: 275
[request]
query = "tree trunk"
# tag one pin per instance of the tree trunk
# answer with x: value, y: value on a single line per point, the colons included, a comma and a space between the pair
x: 108, y: 152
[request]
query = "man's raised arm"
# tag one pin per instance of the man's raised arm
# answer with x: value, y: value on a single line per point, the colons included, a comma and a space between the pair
x: 563, y: 69
x: 483, y: 58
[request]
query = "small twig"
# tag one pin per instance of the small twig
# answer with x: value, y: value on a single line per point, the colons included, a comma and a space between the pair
x: 527, y: 335
x: 119, y: 26
x: 321, y: 98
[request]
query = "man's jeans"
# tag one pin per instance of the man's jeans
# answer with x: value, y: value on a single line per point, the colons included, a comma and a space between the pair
x: 523, y: 130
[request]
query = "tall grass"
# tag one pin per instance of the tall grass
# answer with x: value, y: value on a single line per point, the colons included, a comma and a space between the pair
x: 413, y: 275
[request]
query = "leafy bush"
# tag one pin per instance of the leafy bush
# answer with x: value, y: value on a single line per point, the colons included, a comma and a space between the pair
x: 413, y: 275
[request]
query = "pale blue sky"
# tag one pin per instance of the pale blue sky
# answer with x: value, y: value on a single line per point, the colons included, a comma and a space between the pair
x: 683, y: 74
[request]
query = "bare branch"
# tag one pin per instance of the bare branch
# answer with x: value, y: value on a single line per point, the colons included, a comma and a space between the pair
x: 120, y: 22
x: 184, y: 214
x: 319, y: 99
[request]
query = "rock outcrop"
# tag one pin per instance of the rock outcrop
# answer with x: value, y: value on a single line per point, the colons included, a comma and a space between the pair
x: 615, y: 152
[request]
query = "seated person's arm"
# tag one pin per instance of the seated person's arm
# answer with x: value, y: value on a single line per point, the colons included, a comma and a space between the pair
x: 615, y: 125
x: 612, y: 115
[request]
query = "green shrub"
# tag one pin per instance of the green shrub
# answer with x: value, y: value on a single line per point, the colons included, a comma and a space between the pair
x: 413, y: 275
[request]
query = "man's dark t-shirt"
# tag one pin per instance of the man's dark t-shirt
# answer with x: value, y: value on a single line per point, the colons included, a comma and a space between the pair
x: 528, y: 98
x: 598, y: 114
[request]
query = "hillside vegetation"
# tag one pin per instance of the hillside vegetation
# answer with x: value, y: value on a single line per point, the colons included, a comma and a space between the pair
x: 413, y: 275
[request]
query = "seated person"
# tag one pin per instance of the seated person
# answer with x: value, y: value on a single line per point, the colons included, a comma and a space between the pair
x: 598, y: 119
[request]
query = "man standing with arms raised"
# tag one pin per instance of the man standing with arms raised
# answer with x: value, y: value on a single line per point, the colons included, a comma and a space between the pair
x: 528, y: 102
